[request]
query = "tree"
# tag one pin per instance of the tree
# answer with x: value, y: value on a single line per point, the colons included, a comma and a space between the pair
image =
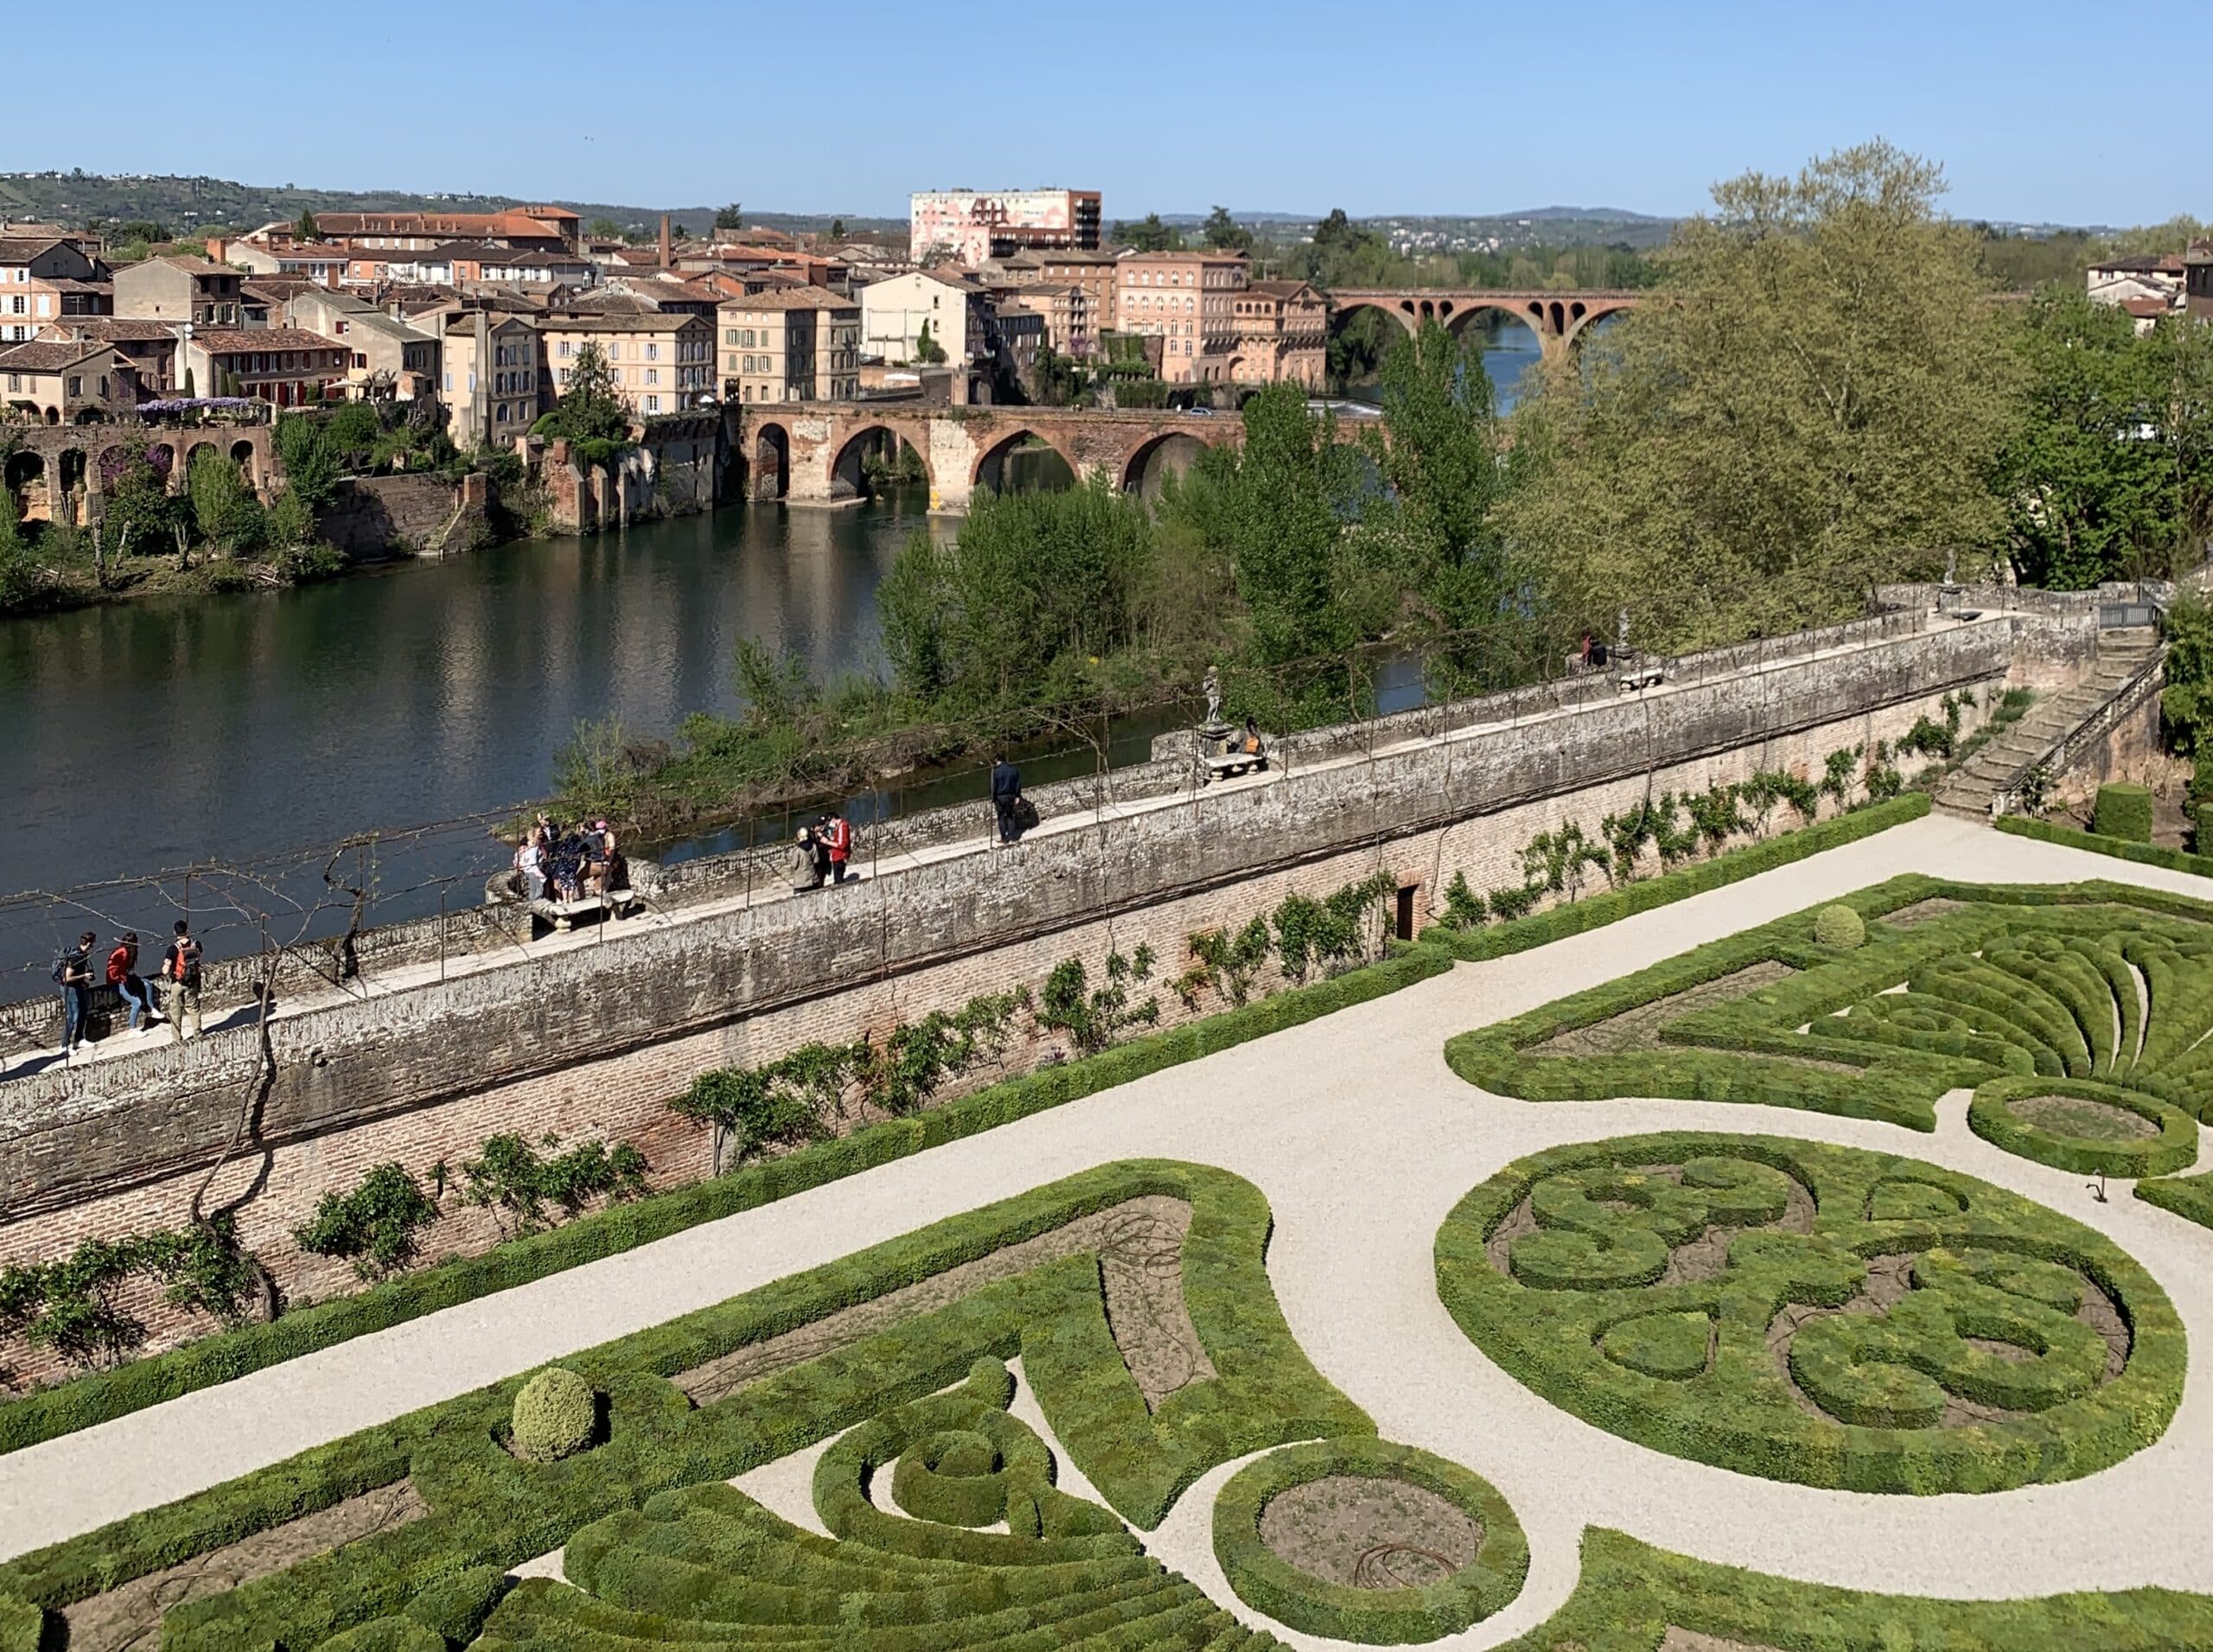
x: 140, y: 513
x: 591, y: 412
x: 605, y: 229
x: 1334, y: 230
x: 1150, y: 236
x: 223, y: 507
x: 306, y: 230
x: 2088, y: 480
x: 1809, y: 404
x: 928, y: 349
x: 730, y: 216
x: 1224, y: 233
x: 837, y: 229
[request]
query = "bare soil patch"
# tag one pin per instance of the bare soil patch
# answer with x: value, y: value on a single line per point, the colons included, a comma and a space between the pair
x: 1639, y: 1028
x: 1689, y: 1640
x: 1365, y: 1531
x: 1920, y: 912
x: 128, y: 1618
x: 1704, y: 1258
x: 2080, y: 1116
x: 1140, y: 1247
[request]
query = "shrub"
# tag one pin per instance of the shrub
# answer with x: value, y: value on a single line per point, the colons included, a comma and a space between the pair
x: 1094, y: 1018
x: 1991, y: 1116
x: 509, y: 1173
x: 2123, y: 810
x: 1840, y: 927
x: 374, y: 1226
x: 457, y: 1606
x: 555, y: 1416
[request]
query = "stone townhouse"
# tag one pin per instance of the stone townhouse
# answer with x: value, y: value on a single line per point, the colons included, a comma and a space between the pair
x: 795, y: 344
x: 663, y: 363
x: 43, y: 278
x: 66, y: 381
x: 1188, y: 300
x: 489, y: 377
x: 286, y: 366
x: 174, y: 287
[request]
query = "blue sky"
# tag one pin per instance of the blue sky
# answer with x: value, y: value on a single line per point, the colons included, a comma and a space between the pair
x: 2039, y: 111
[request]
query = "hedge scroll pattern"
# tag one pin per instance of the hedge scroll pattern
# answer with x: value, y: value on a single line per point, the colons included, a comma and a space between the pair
x: 487, y: 1508
x: 1957, y: 985
x: 1814, y: 1313
x: 1366, y: 1610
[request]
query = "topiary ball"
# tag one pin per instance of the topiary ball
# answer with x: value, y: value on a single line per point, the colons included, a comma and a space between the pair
x: 556, y: 1415
x: 1841, y: 927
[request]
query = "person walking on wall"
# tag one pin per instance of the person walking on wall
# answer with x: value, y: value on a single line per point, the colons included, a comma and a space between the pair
x: 1006, y: 799
x: 73, y: 975
x: 180, y: 982
x: 123, y: 975
x: 841, y: 847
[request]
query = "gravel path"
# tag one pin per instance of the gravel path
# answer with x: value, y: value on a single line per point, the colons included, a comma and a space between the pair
x: 1362, y: 1140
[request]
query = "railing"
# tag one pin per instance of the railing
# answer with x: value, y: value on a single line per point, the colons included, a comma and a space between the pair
x: 2063, y: 753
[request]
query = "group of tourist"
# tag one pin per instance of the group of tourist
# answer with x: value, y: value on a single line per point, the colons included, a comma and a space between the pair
x: 572, y: 864
x: 80, y: 978
x: 823, y: 852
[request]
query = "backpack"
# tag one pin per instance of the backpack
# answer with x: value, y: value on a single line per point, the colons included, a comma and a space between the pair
x: 187, y: 955
x: 60, y: 967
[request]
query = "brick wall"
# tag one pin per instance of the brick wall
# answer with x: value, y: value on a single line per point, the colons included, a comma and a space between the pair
x: 380, y: 516
x: 596, y: 1040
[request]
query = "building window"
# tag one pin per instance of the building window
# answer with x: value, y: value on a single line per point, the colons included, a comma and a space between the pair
x: 652, y: 352
x: 76, y: 386
x: 652, y: 404
x: 653, y: 377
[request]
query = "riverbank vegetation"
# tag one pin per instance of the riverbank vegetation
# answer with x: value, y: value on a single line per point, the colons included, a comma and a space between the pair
x: 1825, y: 392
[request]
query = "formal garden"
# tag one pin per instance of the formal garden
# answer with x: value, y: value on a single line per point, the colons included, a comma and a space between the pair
x: 1100, y: 1413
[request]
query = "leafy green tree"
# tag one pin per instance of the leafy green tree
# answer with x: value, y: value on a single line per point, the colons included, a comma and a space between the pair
x: 223, y: 507
x: 730, y: 216
x: 606, y: 229
x: 928, y: 349
x: 140, y: 515
x: 2088, y: 484
x: 1809, y: 405
x: 1149, y: 236
x: 1440, y: 455
x: 306, y: 230
x: 837, y: 229
x: 312, y: 467
x: 1225, y: 234
x: 591, y: 412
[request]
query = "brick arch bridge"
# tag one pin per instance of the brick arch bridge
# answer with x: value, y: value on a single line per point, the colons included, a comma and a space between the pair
x: 62, y: 472
x: 1559, y: 319
x: 810, y: 452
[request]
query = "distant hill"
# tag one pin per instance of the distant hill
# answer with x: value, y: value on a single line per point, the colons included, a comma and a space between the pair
x: 198, y: 204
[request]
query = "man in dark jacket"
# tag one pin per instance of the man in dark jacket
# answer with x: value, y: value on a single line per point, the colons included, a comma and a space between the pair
x: 1006, y: 798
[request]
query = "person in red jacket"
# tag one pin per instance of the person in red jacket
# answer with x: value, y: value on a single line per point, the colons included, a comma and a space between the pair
x: 122, y: 976
x: 840, y: 840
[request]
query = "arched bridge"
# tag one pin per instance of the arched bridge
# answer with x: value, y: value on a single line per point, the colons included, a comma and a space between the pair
x: 1557, y: 319
x: 813, y: 452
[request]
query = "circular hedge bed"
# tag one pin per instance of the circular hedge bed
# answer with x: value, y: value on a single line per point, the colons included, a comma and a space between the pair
x: 1813, y: 1313
x: 1360, y: 1539
x: 2091, y: 1129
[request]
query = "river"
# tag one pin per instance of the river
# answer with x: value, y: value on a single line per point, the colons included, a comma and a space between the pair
x: 263, y: 728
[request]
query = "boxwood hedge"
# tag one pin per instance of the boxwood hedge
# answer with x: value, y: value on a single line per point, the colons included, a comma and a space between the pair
x: 1991, y: 1116
x: 1602, y: 1219
x: 2009, y: 981
x: 489, y: 1508
x: 1629, y: 1594
x: 2145, y: 854
x: 1269, y: 1584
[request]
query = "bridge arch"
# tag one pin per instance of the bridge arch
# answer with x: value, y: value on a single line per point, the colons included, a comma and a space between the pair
x: 1154, y: 459
x: 242, y: 455
x: 991, y: 463
x: 25, y: 475
x: 768, y: 465
x: 848, y: 466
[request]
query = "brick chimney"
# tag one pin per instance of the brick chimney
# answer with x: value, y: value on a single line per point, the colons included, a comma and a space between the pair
x: 665, y: 259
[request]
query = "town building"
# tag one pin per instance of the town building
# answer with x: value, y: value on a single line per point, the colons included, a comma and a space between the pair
x: 951, y: 305
x: 1188, y: 300
x: 1096, y: 272
x: 325, y: 262
x: 2116, y: 281
x: 525, y: 229
x: 487, y: 376
x: 1283, y: 335
x: 287, y: 366
x: 2197, y: 279
x: 1064, y: 311
x: 799, y: 344
x: 468, y: 264
x: 67, y: 380
x: 663, y: 363
x: 973, y: 226
x: 386, y: 359
x: 176, y: 288
x: 149, y: 346
x: 43, y: 278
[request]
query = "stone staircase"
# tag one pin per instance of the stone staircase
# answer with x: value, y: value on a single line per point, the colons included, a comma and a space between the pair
x: 2054, y: 716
